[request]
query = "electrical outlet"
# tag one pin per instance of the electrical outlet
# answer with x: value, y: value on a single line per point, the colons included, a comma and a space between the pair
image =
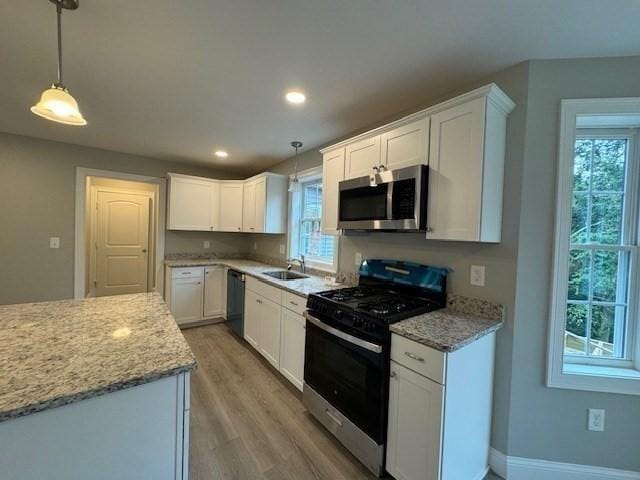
x: 477, y: 275
x: 255, y: 245
x: 207, y: 244
x: 282, y: 249
x: 358, y: 259
x: 54, y: 242
x: 595, y: 420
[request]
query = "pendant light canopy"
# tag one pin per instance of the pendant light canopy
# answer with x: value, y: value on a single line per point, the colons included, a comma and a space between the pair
x: 294, y: 186
x: 56, y: 103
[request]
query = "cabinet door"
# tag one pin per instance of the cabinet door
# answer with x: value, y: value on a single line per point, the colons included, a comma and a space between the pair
x: 213, y: 282
x: 189, y: 204
x: 361, y: 157
x: 332, y: 175
x: 260, y: 208
x: 269, y: 331
x: 455, y: 177
x: 249, y: 207
x: 292, y: 347
x: 186, y: 299
x: 252, y: 312
x: 215, y: 205
x: 231, y: 207
x: 405, y: 146
x: 415, y: 425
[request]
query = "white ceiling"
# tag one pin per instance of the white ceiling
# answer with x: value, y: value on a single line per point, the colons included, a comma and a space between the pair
x: 177, y: 79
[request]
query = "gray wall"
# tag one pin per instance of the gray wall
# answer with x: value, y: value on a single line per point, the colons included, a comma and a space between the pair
x: 37, y: 192
x: 500, y: 259
x: 544, y: 422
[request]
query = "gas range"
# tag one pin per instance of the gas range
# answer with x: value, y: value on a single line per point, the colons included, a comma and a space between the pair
x: 367, y: 311
x: 347, y: 350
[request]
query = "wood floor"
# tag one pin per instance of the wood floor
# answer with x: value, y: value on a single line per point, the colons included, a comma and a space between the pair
x: 248, y: 423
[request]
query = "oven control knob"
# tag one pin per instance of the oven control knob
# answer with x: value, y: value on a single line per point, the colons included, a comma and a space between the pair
x: 357, y: 322
x: 338, y: 314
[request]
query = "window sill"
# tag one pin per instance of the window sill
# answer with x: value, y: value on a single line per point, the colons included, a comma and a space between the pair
x: 597, y: 378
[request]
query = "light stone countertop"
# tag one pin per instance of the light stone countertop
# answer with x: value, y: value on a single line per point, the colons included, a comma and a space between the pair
x: 303, y: 286
x: 462, y: 322
x: 56, y: 353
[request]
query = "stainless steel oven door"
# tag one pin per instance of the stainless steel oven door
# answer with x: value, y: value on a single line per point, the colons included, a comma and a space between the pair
x: 349, y: 373
x: 388, y: 200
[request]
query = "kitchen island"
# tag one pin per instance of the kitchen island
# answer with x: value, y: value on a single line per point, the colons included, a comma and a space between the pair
x: 95, y: 388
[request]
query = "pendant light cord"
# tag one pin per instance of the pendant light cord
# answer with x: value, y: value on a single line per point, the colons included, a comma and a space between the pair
x: 59, y: 15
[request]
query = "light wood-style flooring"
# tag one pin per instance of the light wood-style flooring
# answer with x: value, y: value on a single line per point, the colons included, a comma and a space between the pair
x: 248, y: 423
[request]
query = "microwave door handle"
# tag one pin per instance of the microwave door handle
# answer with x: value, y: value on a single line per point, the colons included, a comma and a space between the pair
x: 390, y: 201
x: 372, y: 347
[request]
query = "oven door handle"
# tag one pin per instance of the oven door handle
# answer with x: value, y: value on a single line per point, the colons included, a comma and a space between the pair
x: 372, y: 347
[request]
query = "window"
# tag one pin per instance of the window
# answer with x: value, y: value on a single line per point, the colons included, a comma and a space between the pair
x: 305, y: 230
x: 594, y: 316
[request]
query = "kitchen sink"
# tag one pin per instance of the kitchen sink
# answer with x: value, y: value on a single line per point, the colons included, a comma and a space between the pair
x: 285, y: 275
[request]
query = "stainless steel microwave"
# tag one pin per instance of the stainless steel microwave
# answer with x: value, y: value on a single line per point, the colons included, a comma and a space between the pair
x: 387, y: 200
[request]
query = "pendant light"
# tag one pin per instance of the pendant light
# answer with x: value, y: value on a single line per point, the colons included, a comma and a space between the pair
x: 294, y: 186
x: 56, y: 103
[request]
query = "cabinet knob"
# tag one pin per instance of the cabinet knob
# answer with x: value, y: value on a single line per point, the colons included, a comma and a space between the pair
x: 392, y: 374
x: 429, y: 230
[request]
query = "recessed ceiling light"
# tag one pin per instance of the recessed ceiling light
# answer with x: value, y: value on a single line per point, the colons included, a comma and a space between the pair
x: 221, y: 154
x: 296, y: 97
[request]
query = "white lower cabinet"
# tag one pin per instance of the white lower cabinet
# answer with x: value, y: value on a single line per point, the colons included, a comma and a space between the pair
x: 194, y: 294
x: 252, y: 317
x: 269, y: 331
x: 439, y: 410
x: 292, y: 347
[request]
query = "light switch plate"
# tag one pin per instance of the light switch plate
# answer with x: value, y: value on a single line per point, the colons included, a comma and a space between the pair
x: 595, y: 420
x: 207, y: 244
x: 358, y: 259
x: 477, y: 275
x: 255, y: 245
x: 282, y: 250
x: 54, y: 242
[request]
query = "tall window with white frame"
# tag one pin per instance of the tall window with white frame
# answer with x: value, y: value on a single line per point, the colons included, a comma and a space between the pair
x: 601, y: 259
x: 305, y: 229
x: 594, y: 325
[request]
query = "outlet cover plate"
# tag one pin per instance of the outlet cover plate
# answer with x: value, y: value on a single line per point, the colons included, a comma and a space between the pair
x: 54, y: 242
x: 358, y: 259
x: 595, y: 420
x: 477, y: 275
x: 282, y: 249
x: 207, y: 244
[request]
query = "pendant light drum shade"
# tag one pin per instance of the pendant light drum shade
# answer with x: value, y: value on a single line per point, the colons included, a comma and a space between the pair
x: 58, y: 105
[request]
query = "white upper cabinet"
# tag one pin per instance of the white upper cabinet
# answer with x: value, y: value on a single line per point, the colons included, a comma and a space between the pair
x: 406, y: 145
x: 466, y: 167
x: 265, y: 204
x: 193, y: 203
x: 231, y: 204
x: 249, y: 207
x: 332, y: 175
x: 362, y: 157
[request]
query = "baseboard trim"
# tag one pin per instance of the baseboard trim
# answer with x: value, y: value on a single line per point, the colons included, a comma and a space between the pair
x: 518, y: 468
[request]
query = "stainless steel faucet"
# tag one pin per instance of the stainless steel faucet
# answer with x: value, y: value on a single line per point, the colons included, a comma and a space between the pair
x: 303, y: 266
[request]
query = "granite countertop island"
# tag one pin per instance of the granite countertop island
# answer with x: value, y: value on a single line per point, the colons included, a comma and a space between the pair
x: 57, y: 353
x: 463, y: 321
x: 302, y: 286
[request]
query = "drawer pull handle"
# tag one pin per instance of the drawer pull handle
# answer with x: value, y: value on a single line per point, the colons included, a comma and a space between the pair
x: 293, y: 303
x: 186, y: 273
x: 333, y: 417
x: 414, y: 356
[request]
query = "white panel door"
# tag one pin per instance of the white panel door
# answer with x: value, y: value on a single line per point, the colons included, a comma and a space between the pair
x: 186, y: 299
x: 231, y: 207
x: 122, y: 243
x: 415, y: 425
x: 190, y: 204
x: 252, y: 312
x: 249, y: 207
x: 405, y: 146
x: 269, y: 331
x: 455, y: 176
x: 213, y: 293
x: 332, y: 175
x: 260, y: 209
x: 292, y: 347
x: 361, y: 157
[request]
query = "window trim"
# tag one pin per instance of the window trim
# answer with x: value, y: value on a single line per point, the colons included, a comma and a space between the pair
x: 612, y: 376
x: 311, y: 174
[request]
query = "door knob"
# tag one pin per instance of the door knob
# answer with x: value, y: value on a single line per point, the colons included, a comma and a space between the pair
x: 144, y: 250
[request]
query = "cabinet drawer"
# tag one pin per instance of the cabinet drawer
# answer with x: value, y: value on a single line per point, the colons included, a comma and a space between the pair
x: 421, y: 359
x: 267, y: 291
x: 294, y: 302
x: 187, y: 272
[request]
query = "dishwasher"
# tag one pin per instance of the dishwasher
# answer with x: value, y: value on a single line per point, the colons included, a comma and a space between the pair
x: 235, y: 302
